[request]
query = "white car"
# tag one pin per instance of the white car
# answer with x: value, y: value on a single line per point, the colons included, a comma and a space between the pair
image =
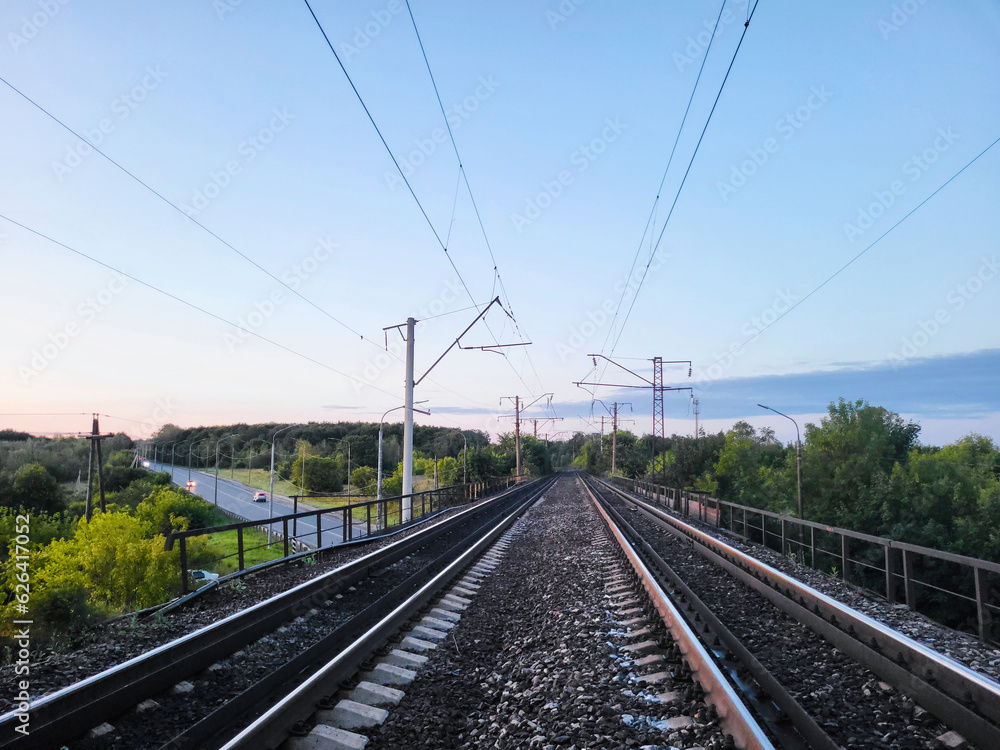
x: 260, y: 497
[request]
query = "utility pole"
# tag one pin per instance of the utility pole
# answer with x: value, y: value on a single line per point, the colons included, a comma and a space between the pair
x: 543, y: 421
x: 615, y: 422
x: 408, y: 425
x: 658, y: 390
x: 95, y: 438
x: 518, y: 409
x: 614, y: 439
x: 695, y: 402
x: 517, y: 432
x: 411, y: 383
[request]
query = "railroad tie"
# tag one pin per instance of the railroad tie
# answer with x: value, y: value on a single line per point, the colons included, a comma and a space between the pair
x: 366, y: 706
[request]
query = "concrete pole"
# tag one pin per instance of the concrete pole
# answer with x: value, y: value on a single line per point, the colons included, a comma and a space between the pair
x: 517, y: 432
x: 798, y: 461
x: 408, y: 426
x: 270, y: 495
x: 614, y: 439
x: 378, y: 484
x: 216, y: 498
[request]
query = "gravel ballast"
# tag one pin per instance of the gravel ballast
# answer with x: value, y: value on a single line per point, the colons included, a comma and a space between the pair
x: 116, y: 642
x: 850, y: 703
x: 539, y: 658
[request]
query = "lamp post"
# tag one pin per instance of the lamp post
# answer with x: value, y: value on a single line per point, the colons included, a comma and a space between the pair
x: 270, y: 495
x: 172, y: 443
x: 465, y: 457
x: 378, y: 482
x: 217, y: 444
x: 345, y: 440
x: 191, y: 453
x: 798, y: 452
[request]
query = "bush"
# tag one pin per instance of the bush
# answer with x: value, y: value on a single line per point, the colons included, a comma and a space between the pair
x: 35, y: 490
x: 363, y: 479
x: 322, y: 474
x: 166, y: 510
x: 44, y: 528
x: 117, y: 478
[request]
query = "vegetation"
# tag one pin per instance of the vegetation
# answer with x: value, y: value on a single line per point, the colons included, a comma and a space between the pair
x: 82, y: 572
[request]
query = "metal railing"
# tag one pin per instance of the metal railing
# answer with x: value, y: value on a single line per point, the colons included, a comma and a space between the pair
x: 353, y: 521
x: 926, y: 580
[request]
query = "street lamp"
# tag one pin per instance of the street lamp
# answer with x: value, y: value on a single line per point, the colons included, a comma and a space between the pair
x: 345, y: 440
x: 465, y: 457
x: 191, y: 453
x: 798, y: 452
x: 217, y: 444
x: 270, y: 495
x: 171, y: 444
x: 378, y: 484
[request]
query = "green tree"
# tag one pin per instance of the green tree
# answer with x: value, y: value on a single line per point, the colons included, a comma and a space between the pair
x: 363, y: 479
x: 746, y: 465
x: 165, y: 510
x: 322, y: 474
x: 847, y: 462
x: 34, y: 489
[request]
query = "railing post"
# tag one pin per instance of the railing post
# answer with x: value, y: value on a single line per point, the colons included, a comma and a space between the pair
x: 890, y: 575
x: 295, y: 521
x: 368, y: 524
x: 239, y: 546
x: 812, y: 546
x: 783, y: 537
x: 284, y: 534
x: 983, y: 613
x: 908, y: 584
x: 184, y: 566
x: 845, y: 555
x: 744, y: 509
x: 319, y: 531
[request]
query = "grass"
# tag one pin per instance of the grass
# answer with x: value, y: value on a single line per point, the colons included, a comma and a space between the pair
x: 261, y: 479
x: 224, y: 544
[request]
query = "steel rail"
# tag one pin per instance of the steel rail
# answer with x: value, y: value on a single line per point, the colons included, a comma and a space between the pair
x: 217, y: 727
x: 735, y: 717
x: 810, y: 734
x: 272, y: 727
x: 64, y: 714
x: 959, y: 696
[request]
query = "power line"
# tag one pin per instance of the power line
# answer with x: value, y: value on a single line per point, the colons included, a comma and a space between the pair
x: 192, y: 305
x: 840, y: 270
x: 392, y: 156
x: 213, y: 234
x: 472, y: 198
x: 687, y: 171
x: 48, y: 414
x: 181, y: 211
x: 651, y: 221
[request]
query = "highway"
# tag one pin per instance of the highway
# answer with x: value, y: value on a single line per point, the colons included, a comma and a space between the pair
x: 237, y: 498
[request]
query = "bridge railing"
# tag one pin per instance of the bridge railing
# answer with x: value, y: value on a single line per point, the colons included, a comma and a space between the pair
x: 927, y: 580
x: 352, y: 520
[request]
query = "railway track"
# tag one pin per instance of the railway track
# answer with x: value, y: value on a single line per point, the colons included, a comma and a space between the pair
x: 838, y: 677
x: 190, y: 692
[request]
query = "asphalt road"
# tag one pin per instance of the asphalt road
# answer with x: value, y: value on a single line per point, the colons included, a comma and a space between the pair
x: 237, y: 498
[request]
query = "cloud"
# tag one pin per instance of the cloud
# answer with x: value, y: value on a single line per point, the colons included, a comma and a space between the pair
x: 959, y: 386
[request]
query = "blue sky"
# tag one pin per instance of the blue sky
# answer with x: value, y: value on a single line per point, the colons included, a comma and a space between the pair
x: 831, y: 127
